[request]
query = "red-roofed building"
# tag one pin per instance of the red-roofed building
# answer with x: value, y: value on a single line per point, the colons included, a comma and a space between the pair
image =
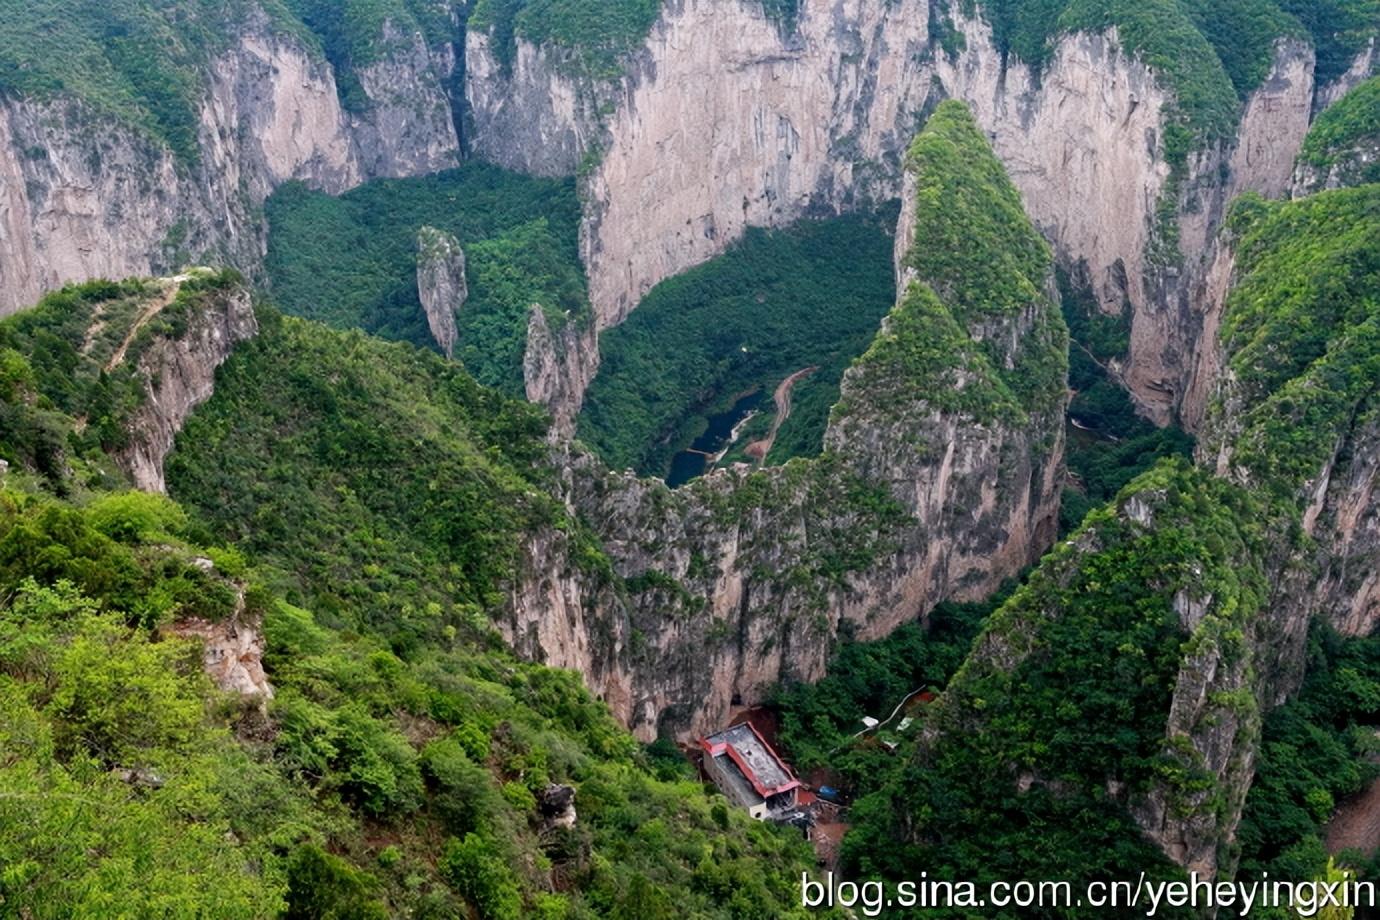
x: 747, y: 770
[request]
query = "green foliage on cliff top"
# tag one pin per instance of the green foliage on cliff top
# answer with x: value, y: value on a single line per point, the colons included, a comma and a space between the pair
x: 1301, y: 330
x: 1208, y: 53
x: 775, y: 303
x: 146, y: 63
x: 1340, y: 30
x: 128, y: 781
x: 351, y: 261
x: 1068, y: 686
x: 979, y: 261
x: 598, y: 33
x: 1350, y: 123
x: 972, y: 240
x: 55, y: 370
x: 396, y: 770
x: 356, y: 33
x: 384, y: 478
x: 131, y: 59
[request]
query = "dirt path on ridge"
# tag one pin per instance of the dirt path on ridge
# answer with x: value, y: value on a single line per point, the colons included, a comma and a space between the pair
x: 154, y: 307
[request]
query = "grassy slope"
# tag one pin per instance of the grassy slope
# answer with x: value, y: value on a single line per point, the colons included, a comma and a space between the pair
x: 776, y: 302
x: 382, y: 487
x: 351, y: 261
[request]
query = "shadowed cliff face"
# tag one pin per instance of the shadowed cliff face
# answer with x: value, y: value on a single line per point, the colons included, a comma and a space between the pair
x: 940, y: 479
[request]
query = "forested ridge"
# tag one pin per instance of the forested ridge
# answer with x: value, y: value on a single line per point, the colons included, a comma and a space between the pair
x: 391, y: 542
x: 398, y: 765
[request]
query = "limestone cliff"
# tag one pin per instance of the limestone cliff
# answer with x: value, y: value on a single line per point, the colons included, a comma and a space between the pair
x: 1294, y: 409
x: 725, y: 119
x: 84, y: 195
x: 530, y: 115
x: 558, y: 365
x: 1343, y: 147
x: 179, y: 371
x: 940, y: 479
x: 1277, y: 525
x: 441, y: 284
x: 1137, y: 643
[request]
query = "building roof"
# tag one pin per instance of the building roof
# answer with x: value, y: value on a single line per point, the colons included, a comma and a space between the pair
x: 755, y: 759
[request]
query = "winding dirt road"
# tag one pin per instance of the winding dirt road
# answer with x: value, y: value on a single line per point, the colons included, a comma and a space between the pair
x: 758, y: 450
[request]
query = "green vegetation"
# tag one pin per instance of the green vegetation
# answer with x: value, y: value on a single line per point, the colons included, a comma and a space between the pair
x: 1057, y: 720
x: 1108, y: 444
x: 596, y: 33
x: 1210, y: 53
x: 1301, y: 331
x: 351, y: 261
x: 1350, y: 125
x: 1070, y: 689
x: 397, y: 769
x: 352, y: 33
x: 1162, y: 33
x: 1316, y: 750
x: 1243, y: 33
x: 1340, y: 30
x: 140, y: 62
x: 146, y: 63
x: 870, y: 679
x: 776, y: 302
x: 979, y: 260
x: 416, y: 481
x: 54, y: 369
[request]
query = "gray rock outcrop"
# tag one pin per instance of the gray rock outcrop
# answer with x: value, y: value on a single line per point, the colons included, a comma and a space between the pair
x: 441, y: 284
x: 726, y: 120
x: 179, y: 375
x: 84, y: 196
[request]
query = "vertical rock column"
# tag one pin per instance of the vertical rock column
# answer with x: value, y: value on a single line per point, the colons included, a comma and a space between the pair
x: 441, y: 284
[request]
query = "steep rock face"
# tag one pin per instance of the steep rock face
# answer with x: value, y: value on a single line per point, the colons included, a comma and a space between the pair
x: 84, y: 196
x: 1070, y: 658
x: 180, y: 375
x: 531, y: 116
x: 557, y: 366
x: 408, y: 128
x: 1343, y: 147
x: 1363, y: 66
x: 1294, y: 409
x: 938, y: 481
x: 80, y: 197
x: 727, y: 119
x: 441, y: 284
x: 1172, y: 319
